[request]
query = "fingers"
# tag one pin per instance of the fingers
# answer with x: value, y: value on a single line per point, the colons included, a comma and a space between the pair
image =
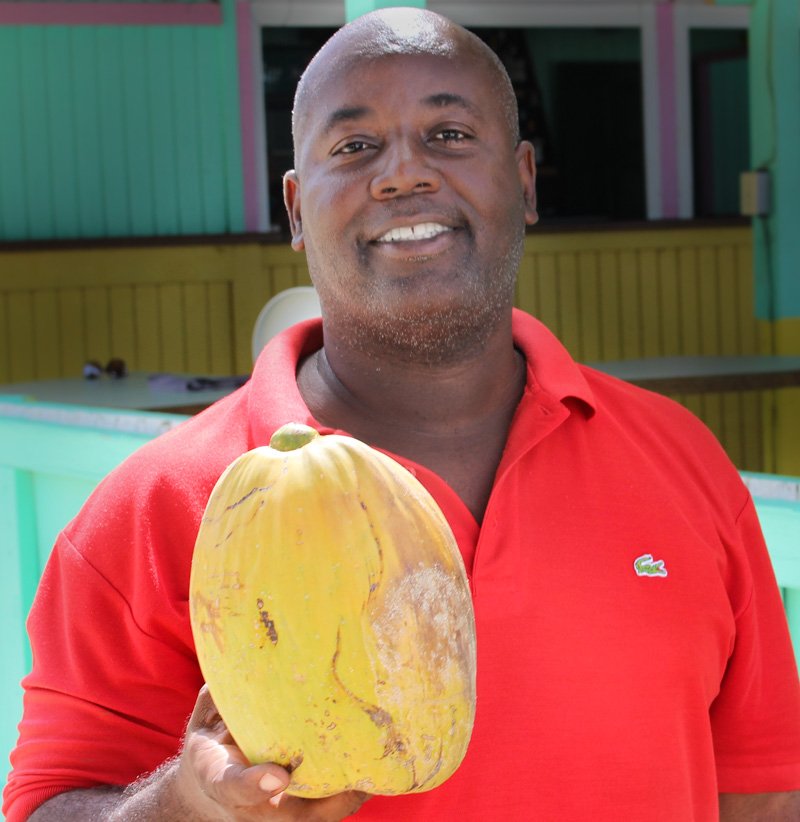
x: 329, y: 809
x: 220, y: 774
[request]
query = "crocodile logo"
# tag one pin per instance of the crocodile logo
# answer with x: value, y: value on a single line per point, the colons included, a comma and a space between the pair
x: 646, y: 566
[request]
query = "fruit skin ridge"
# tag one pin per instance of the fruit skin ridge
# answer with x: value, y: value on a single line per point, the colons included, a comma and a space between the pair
x: 332, y: 617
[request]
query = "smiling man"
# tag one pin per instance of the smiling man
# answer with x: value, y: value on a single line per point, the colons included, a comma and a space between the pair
x: 633, y: 656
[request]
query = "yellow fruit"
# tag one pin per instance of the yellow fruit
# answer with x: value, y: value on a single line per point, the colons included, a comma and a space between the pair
x: 332, y: 617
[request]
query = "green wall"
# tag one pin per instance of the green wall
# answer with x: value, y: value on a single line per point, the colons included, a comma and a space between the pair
x: 110, y: 131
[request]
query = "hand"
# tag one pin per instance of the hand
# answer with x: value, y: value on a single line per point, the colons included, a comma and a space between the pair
x: 217, y: 781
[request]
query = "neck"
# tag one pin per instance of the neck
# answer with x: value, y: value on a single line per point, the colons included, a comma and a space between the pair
x: 349, y: 389
x: 452, y: 418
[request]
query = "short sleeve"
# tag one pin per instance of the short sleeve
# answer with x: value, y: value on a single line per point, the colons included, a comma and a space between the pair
x: 756, y: 716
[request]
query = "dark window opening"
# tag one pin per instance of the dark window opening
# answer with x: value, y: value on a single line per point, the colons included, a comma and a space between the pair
x: 579, y: 93
x: 720, y: 118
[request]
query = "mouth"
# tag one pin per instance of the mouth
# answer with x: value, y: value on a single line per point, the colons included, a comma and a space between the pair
x: 414, y: 233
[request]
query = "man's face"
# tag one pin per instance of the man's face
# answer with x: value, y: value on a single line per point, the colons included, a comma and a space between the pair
x: 410, y: 199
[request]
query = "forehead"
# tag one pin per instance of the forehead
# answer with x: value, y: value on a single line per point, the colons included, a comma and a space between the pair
x: 362, y: 86
x: 374, y: 80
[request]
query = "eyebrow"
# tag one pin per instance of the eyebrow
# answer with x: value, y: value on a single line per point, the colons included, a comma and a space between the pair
x: 344, y: 115
x: 442, y: 99
x: 445, y: 98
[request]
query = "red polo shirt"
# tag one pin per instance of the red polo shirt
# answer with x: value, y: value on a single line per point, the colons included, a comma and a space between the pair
x: 633, y: 656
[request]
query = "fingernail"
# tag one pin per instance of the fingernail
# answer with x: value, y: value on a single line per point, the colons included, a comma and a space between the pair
x: 276, y: 800
x: 269, y: 783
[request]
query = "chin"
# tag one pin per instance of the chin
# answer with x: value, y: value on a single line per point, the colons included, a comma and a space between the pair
x: 432, y: 334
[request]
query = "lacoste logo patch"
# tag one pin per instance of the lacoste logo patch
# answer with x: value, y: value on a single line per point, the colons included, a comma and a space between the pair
x: 646, y: 566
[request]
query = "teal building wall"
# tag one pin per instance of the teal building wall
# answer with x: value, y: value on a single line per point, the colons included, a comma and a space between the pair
x: 120, y: 131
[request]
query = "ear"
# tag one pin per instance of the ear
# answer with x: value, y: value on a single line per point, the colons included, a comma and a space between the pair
x: 291, y: 198
x: 526, y: 166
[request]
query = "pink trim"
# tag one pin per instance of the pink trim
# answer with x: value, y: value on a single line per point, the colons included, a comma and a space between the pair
x: 667, y: 109
x: 247, y: 115
x: 112, y: 14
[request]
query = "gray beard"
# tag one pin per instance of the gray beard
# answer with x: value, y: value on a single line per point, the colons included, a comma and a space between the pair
x: 435, y: 336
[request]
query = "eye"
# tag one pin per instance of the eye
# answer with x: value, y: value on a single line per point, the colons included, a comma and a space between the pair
x: 351, y: 147
x: 452, y: 136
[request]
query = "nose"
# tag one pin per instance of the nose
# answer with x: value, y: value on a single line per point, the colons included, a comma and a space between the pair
x: 405, y: 171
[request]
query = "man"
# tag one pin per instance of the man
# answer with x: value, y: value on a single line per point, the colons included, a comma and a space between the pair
x: 633, y: 659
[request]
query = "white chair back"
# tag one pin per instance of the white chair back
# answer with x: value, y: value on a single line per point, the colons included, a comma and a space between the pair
x: 286, y: 308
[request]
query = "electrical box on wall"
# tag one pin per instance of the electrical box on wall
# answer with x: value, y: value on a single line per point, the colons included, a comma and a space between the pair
x: 754, y: 193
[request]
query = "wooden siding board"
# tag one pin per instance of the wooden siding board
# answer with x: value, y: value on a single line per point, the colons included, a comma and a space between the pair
x: 36, y: 127
x: 13, y: 211
x: 46, y: 329
x: 113, y: 137
x: 233, y: 157
x: 547, y: 289
x: 210, y: 136
x: 751, y: 431
x: 712, y: 414
x: 569, y: 307
x: 21, y: 330
x: 172, y: 327
x: 6, y: 342
x: 669, y: 302
x: 731, y: 425
x: 609, y: 305
x: 730, y: 338
x: 708, y: 301
x: 98, y: 328
x: 690, y: 312
x: 283, y: 277
x: 58, y: 61
x: 86, y: 131
x: 588, y: 296
x: 220, y: 329
x: 72, y: 323
x: 630, y: 304
x: 164, y: 148
x: 198, y: 355
x: 122, y: 323
x: 747, y: 329
x: 187, y: 167
x: 147, y: 313
x: 525, y: 288
x: 650, y: 303
x: 138, y: 122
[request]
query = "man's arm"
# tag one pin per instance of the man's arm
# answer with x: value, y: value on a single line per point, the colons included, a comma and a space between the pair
x: 759, y: 807
x: 209, y: 781
x: 91, y: 804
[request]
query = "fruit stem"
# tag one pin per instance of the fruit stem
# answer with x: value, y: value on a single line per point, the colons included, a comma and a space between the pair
x: 292, y: 436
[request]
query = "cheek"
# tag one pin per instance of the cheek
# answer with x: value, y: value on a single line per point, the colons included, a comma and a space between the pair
x: 326, y: 212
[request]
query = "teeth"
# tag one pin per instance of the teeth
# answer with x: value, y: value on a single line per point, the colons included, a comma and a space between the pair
x: 423, y: 231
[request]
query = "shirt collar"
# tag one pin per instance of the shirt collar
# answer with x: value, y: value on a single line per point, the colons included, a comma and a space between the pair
x: 550, y: 367
x: 275, y: 398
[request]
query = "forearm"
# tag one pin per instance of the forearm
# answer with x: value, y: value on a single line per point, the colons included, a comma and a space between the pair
x: 759, y: 807
x: 156, y: 798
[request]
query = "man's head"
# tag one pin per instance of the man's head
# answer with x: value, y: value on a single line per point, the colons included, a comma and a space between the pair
x: 401, y: 31
x: 411, y: 188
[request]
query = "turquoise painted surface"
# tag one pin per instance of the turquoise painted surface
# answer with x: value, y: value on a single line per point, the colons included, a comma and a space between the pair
x: 775, y: 126
x: 777, y: 500
x: 47, y: 470
x: 116, y: 131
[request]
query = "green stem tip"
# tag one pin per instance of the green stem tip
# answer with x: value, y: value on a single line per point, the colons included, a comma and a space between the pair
x: 292, y: 436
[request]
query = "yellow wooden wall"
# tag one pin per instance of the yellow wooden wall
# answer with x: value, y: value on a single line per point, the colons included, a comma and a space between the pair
x: 191, y: 308
x: 661, y: 292
x: 185, y: 308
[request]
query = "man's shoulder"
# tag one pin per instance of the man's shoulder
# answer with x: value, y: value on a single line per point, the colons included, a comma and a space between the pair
x: 673, y: 439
